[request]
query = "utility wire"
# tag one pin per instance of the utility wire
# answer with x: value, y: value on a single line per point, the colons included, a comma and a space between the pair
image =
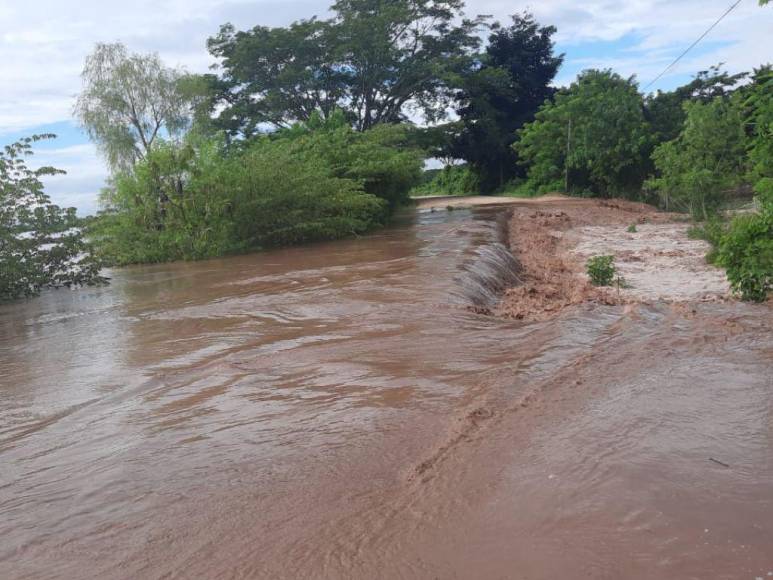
x: 693, y: 45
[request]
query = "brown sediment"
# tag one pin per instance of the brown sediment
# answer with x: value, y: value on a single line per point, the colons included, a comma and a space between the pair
x: 553, y: 240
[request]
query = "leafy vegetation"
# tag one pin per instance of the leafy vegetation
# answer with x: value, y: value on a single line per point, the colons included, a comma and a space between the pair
x: 746, y: 252
x: 41, y: 244
x: 451, y: 180
x: 200, y: 199
x: 372, y: 60
x: 593, y: 137
x: 501, y: 95
x: 129, y: 101
x: 705, y: 160
x: 601, y: 270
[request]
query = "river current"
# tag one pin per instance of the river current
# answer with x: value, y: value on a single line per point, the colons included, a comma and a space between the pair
x: 336, y: 411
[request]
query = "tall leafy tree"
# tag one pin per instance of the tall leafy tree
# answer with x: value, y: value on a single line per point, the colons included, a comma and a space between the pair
x: 276, y: 76
x: 41, y: 244
x: 665, y: 110
x: 592, y: 138
x: 128, y: 102
x: 375, y: 59
x: 706, y: 159
x: 758, y: 104
x: 502, y: 94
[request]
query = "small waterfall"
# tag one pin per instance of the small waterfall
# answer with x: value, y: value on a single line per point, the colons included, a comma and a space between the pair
x: 493, y: 270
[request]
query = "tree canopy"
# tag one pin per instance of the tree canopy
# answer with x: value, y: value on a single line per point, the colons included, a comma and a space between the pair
x: 129, y: 101
x: 592, y: 137
x: 376, y: 60
x: 41, y: 244
x: 502, y: 94
x: 707, y: 158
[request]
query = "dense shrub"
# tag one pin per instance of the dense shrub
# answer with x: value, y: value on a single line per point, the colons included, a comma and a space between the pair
x: 451, y: 180
x: 746, y: 250
x: 197, y: 200
x: 384, y: 160
x: 593, y: 135
x: 707, y: 159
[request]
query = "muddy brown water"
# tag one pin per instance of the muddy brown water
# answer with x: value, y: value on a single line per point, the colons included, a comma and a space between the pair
x: 333, y: 411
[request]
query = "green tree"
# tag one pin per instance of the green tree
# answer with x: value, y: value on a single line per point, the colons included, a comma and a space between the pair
x: 199, y: 198
x: 593, y: 136
x: 41, y: 244
x: 276, y: 76
x: 746, y: 249
x: 695, y: 170
x: 374, y: 59
x: 195, y: 200
x: 665, y: 110
x: 502, y: 94
x: 759, y: 119
x: 128, y: 102
x: 383, y: 159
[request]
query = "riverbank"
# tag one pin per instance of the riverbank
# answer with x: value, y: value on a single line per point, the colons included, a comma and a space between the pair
x: 654, y: 257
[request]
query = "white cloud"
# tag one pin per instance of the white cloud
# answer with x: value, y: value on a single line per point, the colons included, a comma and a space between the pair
x: 84, y: 177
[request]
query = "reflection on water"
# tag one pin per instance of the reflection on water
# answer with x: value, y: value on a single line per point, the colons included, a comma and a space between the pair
x: 260, y: 415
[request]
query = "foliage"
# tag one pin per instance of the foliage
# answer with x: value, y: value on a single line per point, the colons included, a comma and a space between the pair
x: 631, y: 229
x: 593, y: 135
x: 502, y: 94
x: 383, y: 159
x: 759, y: 109
x: 666, y: 112
x: 372, y: 59
x: 128, y: 102
x: 746, y: 250
x: 601, y: 270
x: 320, y: 180
x: 697, y: 168
x: 451, y: 180
x: 41, y: 244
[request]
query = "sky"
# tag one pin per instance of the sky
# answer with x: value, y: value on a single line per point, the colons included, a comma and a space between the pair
x: 43, y: 44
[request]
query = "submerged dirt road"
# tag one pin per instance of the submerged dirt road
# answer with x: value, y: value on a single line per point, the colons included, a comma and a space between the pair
x: 336, y: 411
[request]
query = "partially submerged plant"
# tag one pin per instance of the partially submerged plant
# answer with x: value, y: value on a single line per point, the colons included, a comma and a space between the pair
x: 601, y: 270
x: 631, y: 229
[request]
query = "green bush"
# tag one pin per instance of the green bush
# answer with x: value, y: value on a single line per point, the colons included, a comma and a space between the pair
x: 383, y: 160
x: 595, y: 129
x: 631, y: 229
x: 711, y: 231
x: 697, y: 169
x: 601, y: 270
x: 746, y: 250
x: 198, y: 200
x: 41, y: 244
x: 451, y: 180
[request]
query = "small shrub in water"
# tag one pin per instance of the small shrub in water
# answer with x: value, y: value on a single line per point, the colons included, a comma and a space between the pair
x: 601, y: 270
x: 631, y: 229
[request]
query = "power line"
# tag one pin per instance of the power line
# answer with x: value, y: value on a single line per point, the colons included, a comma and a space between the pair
x: 693, y: 45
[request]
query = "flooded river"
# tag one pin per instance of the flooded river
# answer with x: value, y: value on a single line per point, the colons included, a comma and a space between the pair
x: 334, y: 411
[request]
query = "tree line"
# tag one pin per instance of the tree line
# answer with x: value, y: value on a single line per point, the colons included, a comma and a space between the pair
x: 320, y: 129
